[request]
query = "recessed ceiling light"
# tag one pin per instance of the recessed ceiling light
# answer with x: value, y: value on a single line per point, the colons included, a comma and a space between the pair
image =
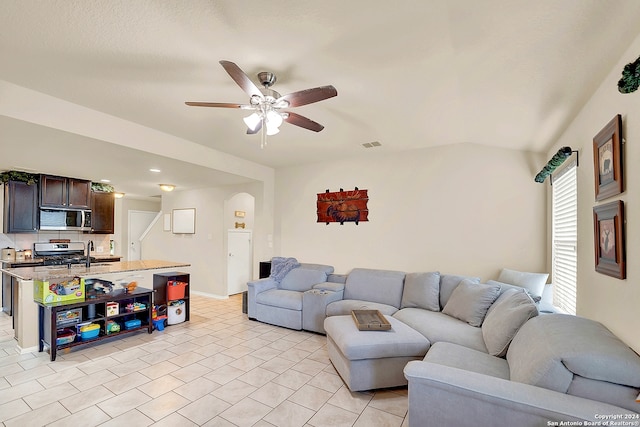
x: 155, y: 170
x: 105, y: 180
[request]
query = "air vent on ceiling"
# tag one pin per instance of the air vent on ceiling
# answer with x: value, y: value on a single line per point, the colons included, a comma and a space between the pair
x: 371, y: 144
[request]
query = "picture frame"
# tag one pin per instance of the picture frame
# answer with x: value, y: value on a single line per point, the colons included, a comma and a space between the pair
x: 183, y: 221
x: 607, y: 160
x: 609, y: 239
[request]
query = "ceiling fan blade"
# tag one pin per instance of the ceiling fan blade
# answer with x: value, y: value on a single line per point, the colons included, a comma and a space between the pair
x: 303, y: 122
x: 241, y: 78
x: 217, y: 104
x: 256, y: 130
x: 309, y: 96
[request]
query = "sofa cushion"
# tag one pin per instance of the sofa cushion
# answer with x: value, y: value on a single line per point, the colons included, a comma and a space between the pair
x: 383, y: 286
x: 602, y: 391
x: 422, y: 290
x: 506, y: 286
x: 437, y: 327
x: 291, y: 300
x: 302, y: 279
x: 457, y: 356
x: 510, y: 311
x: 448, y: 282
x: 470, y: 301
x: 534, y: 282
x: 344, y: 307
x: 548, y: 350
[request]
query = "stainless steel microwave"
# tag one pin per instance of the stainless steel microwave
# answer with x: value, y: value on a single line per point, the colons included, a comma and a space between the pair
x: 65, y: 219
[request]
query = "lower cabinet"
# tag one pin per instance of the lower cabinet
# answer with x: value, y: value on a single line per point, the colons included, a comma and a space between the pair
x: 172, y: 290
x: 65, y: 326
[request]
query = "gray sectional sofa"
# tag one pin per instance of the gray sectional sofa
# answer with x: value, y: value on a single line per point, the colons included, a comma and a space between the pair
x: 483, y: 354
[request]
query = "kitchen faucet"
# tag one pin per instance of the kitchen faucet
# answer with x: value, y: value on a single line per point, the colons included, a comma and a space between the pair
x: 89, y: 249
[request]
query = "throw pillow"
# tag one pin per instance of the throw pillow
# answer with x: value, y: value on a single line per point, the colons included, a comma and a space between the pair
x: 470, y: 301
x: 421, y: 290
x: 505, y: 287
x: 534, y: 282
x: 448, y: 282
x: 505, y: 317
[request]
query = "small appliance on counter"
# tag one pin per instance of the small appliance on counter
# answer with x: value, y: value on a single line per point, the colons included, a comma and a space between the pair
x: 8, y: 254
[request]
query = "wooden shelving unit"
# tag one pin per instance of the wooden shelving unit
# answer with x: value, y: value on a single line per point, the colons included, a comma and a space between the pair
x: 50, y: 325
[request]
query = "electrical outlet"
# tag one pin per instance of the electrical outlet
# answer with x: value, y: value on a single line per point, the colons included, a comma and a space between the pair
x: 99, y: 249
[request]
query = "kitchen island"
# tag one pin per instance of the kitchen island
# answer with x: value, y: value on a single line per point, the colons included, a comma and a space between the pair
x: 26, y: 313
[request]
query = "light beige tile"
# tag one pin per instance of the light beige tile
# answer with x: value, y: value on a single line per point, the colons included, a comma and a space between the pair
x: 197, y: 388
x: 289, y: 414
x: 326, y: 381
x: 230, y: 341
x: 233, y: 391
x: 278, y: 364
x: 310, y: 367
x: 210, y: 349
x: 309, y: 345
x: 310, y: 397
x: 11, y: 369
x: 20, y: 390
x: 372, y: 417
x: 86, y: 382
x: 224, y: 374
x: 127, y: 382
x: 160, y: 386
x: 90, y: 416
x: 125, y: 402
x: 266, y: 353
x: 39, y: 417
x: 351, y: 401
x: 257, y: 377
x: 99, y: 365
x: 390, y: 401
x: 131, y: 366
x: 281, y: 344
x: 332, y: 416
x: 157, y: 357
x: 219, y: 422
x: 292, y: 379
x: 85, y: 399
x: 204, y: 409
x: 61, y: 377
x: 162, y: 406
x: 272, y: 394
x: 45, y: 397
x: 216, y: 361
x: 31, y: 374
x: 130, y: 418
x: 159, y: 369
x: 13, y: 409
x: 246, y: 413
x: 130, y: 355
x: 174, y: 420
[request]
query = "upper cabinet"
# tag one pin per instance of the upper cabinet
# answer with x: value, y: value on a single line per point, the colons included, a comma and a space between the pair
x: 62, y: 192
x: 102, y: 209
x: 20, y: 207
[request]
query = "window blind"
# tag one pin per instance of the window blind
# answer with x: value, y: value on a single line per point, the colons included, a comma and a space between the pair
x: 565, y: 238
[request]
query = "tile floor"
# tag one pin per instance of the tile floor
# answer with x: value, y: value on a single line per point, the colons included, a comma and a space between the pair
x: 219, y: 369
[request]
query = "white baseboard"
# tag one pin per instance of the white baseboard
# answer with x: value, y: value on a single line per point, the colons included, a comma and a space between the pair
x: 205, y: 294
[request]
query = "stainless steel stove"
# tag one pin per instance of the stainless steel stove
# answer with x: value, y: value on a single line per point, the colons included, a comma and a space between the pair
x: 61, y: 253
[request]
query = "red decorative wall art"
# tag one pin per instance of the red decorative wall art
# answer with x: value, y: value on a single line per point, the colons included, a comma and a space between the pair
x: 343, y: 206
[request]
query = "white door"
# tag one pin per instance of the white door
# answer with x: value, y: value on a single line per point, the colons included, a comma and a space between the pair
x: 239, y: 250
x: 138, y: 223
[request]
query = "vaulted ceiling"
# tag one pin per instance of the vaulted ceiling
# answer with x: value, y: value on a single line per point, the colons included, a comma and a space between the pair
x: 505, y: 73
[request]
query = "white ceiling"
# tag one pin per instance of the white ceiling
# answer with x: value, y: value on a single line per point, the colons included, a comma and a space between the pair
x: 410, y: 74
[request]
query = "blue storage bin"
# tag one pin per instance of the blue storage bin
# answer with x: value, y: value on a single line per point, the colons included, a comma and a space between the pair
x: 132, y: 324
x: 90, y: 331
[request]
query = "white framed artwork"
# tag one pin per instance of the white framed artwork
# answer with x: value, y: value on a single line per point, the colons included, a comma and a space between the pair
x: 183, y: 221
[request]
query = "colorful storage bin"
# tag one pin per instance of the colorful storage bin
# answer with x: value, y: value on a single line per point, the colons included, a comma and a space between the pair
x: 89, y: 331
x: 112, y: 327
x: 112, y: 308
x: 175, y: 289
x: 70, y: 316
x: 176, y: 312
x: 58, y: 291
x: 65, y: 336
x: 132, y: 324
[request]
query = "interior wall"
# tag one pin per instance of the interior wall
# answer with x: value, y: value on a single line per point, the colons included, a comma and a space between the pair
x: 465, y: 209
x: 205, y: 250
x: 121, y: 220
x: 609, y: 300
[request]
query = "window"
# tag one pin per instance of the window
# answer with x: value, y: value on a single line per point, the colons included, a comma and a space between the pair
x: 565, y: 238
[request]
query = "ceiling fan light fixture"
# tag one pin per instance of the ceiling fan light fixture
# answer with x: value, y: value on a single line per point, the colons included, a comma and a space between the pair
x: 252, y: 121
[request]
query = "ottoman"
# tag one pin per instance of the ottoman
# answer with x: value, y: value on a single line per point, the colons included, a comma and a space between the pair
x: 372, y: 359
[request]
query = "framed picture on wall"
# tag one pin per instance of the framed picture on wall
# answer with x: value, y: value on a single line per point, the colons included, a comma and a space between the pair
x: 183, y: 221
x: 607, y: 159
x: 608, y: 239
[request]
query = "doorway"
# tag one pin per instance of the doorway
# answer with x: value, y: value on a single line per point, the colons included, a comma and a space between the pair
x: 239, y: 255
x: 138, y: 223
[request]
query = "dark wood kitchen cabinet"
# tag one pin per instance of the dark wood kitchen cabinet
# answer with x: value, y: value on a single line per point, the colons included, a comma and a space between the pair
x: 62, y: 192
x: 20, y: 207
x: 102, y: 209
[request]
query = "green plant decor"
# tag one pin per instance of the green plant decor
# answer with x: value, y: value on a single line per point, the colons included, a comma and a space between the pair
x: 29, y: 178
x: 99, y: 186
x: 630, y: 77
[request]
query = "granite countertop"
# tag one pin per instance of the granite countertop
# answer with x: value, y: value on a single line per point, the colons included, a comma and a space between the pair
x: 55, y: 272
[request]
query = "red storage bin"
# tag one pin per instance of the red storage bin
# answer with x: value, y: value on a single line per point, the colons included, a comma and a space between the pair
x: 175, y: 289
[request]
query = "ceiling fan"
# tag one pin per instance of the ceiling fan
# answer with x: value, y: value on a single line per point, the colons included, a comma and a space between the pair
x: 267, y: 104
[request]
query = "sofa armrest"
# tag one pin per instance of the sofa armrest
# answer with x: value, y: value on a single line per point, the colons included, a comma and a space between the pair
x: 337, y: 278
x: 329, y: 286
x: 254, y: 288
x: 441, y: 395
